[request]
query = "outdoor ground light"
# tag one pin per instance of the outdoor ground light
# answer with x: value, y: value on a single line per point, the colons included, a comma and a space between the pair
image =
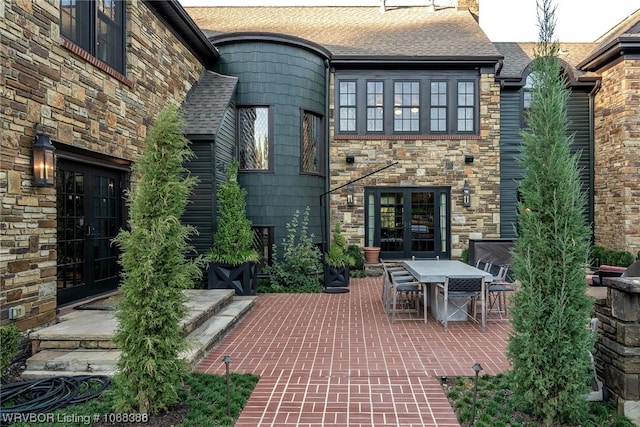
x: 44, y: 160
x: 226, y: 361
x: 477, y: 368
x: 350, y: 195
x: 466, y: 194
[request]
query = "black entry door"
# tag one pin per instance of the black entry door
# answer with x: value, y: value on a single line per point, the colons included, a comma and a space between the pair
x: 406, y: 222
x: 89, y: 204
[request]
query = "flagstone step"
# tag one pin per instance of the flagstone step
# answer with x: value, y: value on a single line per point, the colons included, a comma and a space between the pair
x: 102, y: 361
x: 94, y: 329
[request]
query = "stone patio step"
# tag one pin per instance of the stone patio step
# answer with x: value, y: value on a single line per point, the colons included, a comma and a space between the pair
x: 94, y: 329
x: 212, y: 327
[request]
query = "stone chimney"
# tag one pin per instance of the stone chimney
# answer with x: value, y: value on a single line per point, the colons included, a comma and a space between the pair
x: 473, y: 6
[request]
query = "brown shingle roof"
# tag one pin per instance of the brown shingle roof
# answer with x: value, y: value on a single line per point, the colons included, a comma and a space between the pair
x: 624, y: 37
x: 410, y: 33
x: 517, y: 56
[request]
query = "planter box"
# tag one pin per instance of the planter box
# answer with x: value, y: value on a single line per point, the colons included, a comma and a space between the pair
x: 241, y: 278
x: 336, y: 276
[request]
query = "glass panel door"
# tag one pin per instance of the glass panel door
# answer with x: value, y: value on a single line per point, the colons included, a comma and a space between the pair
x: 408, y: 222
x: 89, y: 205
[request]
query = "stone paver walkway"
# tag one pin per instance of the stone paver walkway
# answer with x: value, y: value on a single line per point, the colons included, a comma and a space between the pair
x: 336, y: 360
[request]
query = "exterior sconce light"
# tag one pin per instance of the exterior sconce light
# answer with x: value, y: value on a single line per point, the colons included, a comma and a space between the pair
x: 466, y: 194
x: 350, y: 159
x: 44, y: 160
x: 350, y: 194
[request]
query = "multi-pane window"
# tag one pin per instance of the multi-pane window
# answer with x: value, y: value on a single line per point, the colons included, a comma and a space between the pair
x: 311, y: 142
x: 403, y: 102
x: 254, y: 138
x: 347, y: 106
x: 466, y: 106
x: 406, y: 106
x: 375, y: 106
x: 438, y: 106
x: 96, y: 26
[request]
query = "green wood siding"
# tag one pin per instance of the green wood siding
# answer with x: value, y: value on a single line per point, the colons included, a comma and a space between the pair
x: 579, y: 115
x: 213, y: 155
x: 289, y: 80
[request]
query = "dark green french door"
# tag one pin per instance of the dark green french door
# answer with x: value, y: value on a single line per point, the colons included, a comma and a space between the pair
x: 406, y: 222
x: 89, y: 204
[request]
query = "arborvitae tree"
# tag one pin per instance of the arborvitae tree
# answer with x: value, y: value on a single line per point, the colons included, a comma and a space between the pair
x: 156, y: 270
x: 550, y: 344
x: 233, y: 240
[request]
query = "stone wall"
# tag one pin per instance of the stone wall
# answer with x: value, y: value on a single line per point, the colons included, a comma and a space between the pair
x: 617, y: 158
x: 617, y: 349
x: 425, y: 161
x: 81, y: 102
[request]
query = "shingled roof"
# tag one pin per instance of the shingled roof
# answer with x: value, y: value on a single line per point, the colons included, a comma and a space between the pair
x: 405, y: 34
x: 206, y: 103
x: 622, y: 39
x: 518, y: 56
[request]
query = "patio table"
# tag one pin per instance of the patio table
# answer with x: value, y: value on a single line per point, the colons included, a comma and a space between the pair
x: 432, y: 271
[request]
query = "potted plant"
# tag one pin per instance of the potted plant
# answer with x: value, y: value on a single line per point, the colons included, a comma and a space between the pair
x: 337, y: 261
x: 232, y: 256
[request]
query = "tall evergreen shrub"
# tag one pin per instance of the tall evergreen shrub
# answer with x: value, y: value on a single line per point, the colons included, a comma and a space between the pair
x: 550, y: 344
x: 233, y: 240
x: 156, y: 270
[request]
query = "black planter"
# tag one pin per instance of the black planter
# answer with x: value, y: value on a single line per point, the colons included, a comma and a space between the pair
x: 241, y: 278
x: 336, y: 277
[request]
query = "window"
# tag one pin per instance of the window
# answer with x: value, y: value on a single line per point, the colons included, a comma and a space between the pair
x: 527, y: 97
x: 347, y: 106
x: 311, y: 143
x: 466, y: 106
x: 375, y: 106
x: 254, y: 140
x: 96, y: 26
x: 438, y: 106
x: 400, y: 102
x: 406, y: 107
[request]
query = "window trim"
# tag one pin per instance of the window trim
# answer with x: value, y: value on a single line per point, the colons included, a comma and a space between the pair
x: 320, y: 146
x: 425, y: 79
x: 270, y: 154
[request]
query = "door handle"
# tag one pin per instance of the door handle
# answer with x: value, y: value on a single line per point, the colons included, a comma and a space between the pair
x: 91, y: 231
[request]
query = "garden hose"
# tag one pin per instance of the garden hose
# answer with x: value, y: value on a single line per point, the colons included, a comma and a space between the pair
x: 46, y: 395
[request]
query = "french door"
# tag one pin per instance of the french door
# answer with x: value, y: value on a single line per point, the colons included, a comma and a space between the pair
x: 89, y: 206
x: 406, y: 222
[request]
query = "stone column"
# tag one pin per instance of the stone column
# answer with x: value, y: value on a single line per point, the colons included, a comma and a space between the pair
x: 617, y: 349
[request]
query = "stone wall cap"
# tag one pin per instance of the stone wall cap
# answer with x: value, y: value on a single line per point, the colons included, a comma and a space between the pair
x: 626, y: 284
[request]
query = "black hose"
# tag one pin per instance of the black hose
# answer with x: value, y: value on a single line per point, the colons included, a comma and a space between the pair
x: 46, y: 395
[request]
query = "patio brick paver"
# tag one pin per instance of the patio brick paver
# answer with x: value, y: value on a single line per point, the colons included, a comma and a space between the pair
x: 336, y: 360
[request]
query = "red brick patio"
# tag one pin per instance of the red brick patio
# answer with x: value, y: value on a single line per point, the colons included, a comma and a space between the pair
x: 336, y: 360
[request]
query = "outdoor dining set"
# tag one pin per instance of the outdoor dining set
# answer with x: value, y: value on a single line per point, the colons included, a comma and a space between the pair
x: 452, y: 290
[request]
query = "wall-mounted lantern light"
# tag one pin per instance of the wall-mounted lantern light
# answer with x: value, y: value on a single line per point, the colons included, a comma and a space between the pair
x: 44, y: 160
x: 350, y: 194
x: 350, y: 159
x: 466, y: 194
